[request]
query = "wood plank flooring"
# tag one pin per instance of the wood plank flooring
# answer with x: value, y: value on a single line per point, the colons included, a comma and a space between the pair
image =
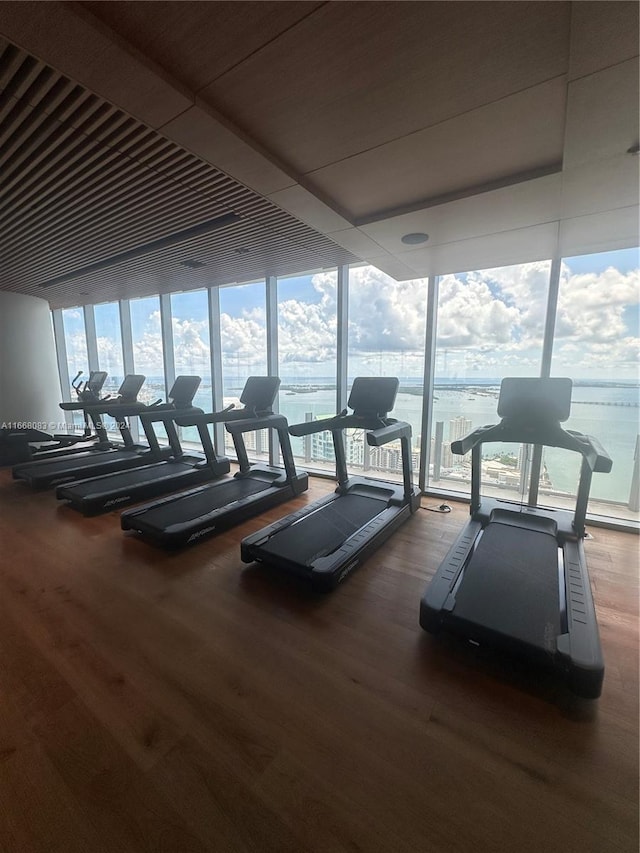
x: 186, y: 702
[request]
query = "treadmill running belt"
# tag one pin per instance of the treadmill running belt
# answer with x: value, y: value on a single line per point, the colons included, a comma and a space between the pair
x: 121, y: 481
x: 189, y: 507
x: 321, y: 532
x: 511, y: 585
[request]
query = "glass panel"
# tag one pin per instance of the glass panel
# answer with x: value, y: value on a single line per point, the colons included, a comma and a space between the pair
x: 147, y: 346
x: 307, y: 358
x: 490, y: 325
x: 243, y: 335
x: 191, y: 349
x: 76, y: 343
x: 109, y: 342
x: 596, y: 345
x: 77, y: 359
x: 386, y: 338
x: 146, y: 335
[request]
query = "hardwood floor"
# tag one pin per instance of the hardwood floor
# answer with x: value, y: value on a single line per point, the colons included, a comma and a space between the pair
x: 185, y: 702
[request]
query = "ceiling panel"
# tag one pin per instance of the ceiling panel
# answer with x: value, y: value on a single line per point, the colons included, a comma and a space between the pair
x: 197, y: 42
x: 518, y: 246
x: 603, y: 33
x: 67, y: 38
x: 521, y: 133
x: 600, y: 232
x: 354, y: 76
x: 530, y: 202
x: 81, y: 183
x: 602, y: 114
x: 204, y: 135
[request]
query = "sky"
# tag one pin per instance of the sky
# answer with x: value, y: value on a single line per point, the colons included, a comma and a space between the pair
x: 490, y: 324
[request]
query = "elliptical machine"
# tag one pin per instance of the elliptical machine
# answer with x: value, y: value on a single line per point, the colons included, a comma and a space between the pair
x: 23, y: 443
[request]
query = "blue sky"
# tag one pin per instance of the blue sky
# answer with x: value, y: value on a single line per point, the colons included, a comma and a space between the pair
x: 489, y: 322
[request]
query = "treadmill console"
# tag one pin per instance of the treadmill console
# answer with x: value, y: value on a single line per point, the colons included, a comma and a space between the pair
x: 373, y: 396
x: 184, y: 390
x: 96, y: 380
x: 535, y: 400
x: 130, y: 388
x: 259, y: 393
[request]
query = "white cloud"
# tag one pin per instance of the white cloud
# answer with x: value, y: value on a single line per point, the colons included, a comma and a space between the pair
x: 190, y: 347
x: 243, y: 339
x: 497, y: 310
x: 385, y: 315
x: 591, y: 305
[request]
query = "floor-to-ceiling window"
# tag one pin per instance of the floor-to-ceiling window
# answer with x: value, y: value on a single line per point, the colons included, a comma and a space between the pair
x: 76, y: 342
x: 386, y: 338
x: 596, y: 343
x: 191, y: 341
x: 192, y: 348
x: 490, y: 324
x: 77, y: 358
x: 307, y: 347
x: 109, y: 344
x: 146, y: 336
x: 243, y: 343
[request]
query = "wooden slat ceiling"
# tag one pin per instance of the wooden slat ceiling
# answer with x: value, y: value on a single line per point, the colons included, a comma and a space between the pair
x: 82, y: 182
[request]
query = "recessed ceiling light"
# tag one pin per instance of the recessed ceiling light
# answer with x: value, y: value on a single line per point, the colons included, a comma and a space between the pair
x: 415, y: 238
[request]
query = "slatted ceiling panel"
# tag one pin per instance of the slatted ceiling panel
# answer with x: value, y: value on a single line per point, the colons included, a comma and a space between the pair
x: 55, y: 157
x: 215, y: 250
x: 82, y: 182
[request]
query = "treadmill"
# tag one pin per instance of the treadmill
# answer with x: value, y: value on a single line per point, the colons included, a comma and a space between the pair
x: 179, y: 470
x: 104, y: 455
x: 516, y: 577
x: 326, y: 540
x: 88, y: 397
x: 193, y: 515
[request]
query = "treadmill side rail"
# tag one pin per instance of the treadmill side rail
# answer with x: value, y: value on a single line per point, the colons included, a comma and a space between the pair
x: 437, y: 600
x: 328, y: 572
x: 580, y: 647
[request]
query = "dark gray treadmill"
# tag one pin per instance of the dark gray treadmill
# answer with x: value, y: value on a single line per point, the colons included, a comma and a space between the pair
x: 191, y: 516
x: 325, y: 541
x: 180, y: 471
x: 516, y: 577
x: 101, y: 457
x: 110, y: 491
x: 320, y: 532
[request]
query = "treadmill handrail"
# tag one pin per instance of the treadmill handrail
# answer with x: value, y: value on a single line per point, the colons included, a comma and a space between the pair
x: 120, y: 410
x: 237, y: 422
x: 554, y: 435
x: 392, y: 432
x: 204, y: 418
x: 267, y: 421
x: 168, y: 415
x: 339, y: 422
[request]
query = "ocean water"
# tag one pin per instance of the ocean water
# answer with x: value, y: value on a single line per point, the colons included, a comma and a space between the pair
x: 609, y: 412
